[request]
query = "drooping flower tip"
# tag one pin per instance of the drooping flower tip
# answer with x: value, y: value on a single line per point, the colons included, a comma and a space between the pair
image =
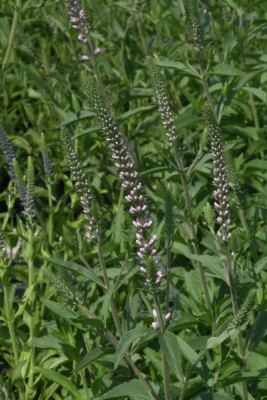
x: 167, y: 316
x: 155, y: 325
x: 85, y: 58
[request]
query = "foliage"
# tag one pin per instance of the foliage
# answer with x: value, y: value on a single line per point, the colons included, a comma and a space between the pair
x: 133, y: 200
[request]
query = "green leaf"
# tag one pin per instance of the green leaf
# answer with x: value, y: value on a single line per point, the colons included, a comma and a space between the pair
x: 211, y: 262
x: 135, y: 111
x: 134, y: 389
x: 106, y: 302
x: 170, y: 347
x: 58, y: 309
x: 243, y: 377
x: 62, y: 380
x: 80, y: 269
x: 125, y: 342
x: 89, y: 358
x: 74, y: 117
x: 22, y: 143
x: 216, y: 341
x: 177, y: 65
x: 226, y: 69
x: 187, y: 351
x: 46, y: 342
x: 256, y: 92
x: 260, y: 264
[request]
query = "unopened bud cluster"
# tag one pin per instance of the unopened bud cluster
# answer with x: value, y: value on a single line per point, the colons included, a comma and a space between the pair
x: 130, y: 182
x: 46, y: 159
x: 162, y: 99
x: 242, y: 315
x: 194, y: 18
x: 8, y: 151
x: 79, y: 23
x: 232, y: 174
x: 80, y: 181
x: 220, y: 193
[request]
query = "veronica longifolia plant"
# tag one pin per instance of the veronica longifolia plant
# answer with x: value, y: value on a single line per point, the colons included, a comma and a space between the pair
x: 130, y: 183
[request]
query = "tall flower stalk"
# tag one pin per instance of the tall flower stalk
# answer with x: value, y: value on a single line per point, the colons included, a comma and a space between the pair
x: 79, y: 23
x: 135, y: 197
x: 222, y: 207
x: 167, y: 121
x: 150, y: 260
x: 30, y: 215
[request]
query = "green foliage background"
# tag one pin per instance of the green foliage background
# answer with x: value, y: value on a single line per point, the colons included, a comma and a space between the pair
x: 40, y: 91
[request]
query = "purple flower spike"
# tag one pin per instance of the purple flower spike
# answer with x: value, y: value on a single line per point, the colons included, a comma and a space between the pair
x: 79, y: 23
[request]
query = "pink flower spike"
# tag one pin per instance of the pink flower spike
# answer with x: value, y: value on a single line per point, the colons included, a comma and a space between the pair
x: 154, y: 313
x: 142, y: 269
x: 85, y: 58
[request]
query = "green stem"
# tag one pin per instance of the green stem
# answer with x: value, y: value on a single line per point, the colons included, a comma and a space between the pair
x: 203, y: 79
x: 107, y: 284
x: 10, y: 324
x: 195, y: 241
x: 183, y: 391
x: 11, y: 202
x: 165, y: 365
x: 168, y: 272
x: 241, y: 349
x: 12, y: 35
x: 127, y: 356
x: 29, y: 391
x: 50, y: 218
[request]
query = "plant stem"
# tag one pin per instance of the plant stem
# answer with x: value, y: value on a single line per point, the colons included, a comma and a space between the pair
x: 201, y: 355
x: 50, y: 218
x: 168, y: 271
x: 127, y: 356
x: 11, y: 202
x: 29, y: 390
x: 10, y: 323
x: 241, y: 349
x: 13, y: 32
x: 195, y: 246
x: 165, y: 365
x: 106, y: 280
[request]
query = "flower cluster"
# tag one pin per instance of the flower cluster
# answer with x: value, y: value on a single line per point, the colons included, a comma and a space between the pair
x: 46, y: 159
x: 80, y: 180
x: 8, y: 151
x: 130, y: 182
x: 79, y: 23
x: 220, y: 182
x: 194, y: 18
x: 162, y: 99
